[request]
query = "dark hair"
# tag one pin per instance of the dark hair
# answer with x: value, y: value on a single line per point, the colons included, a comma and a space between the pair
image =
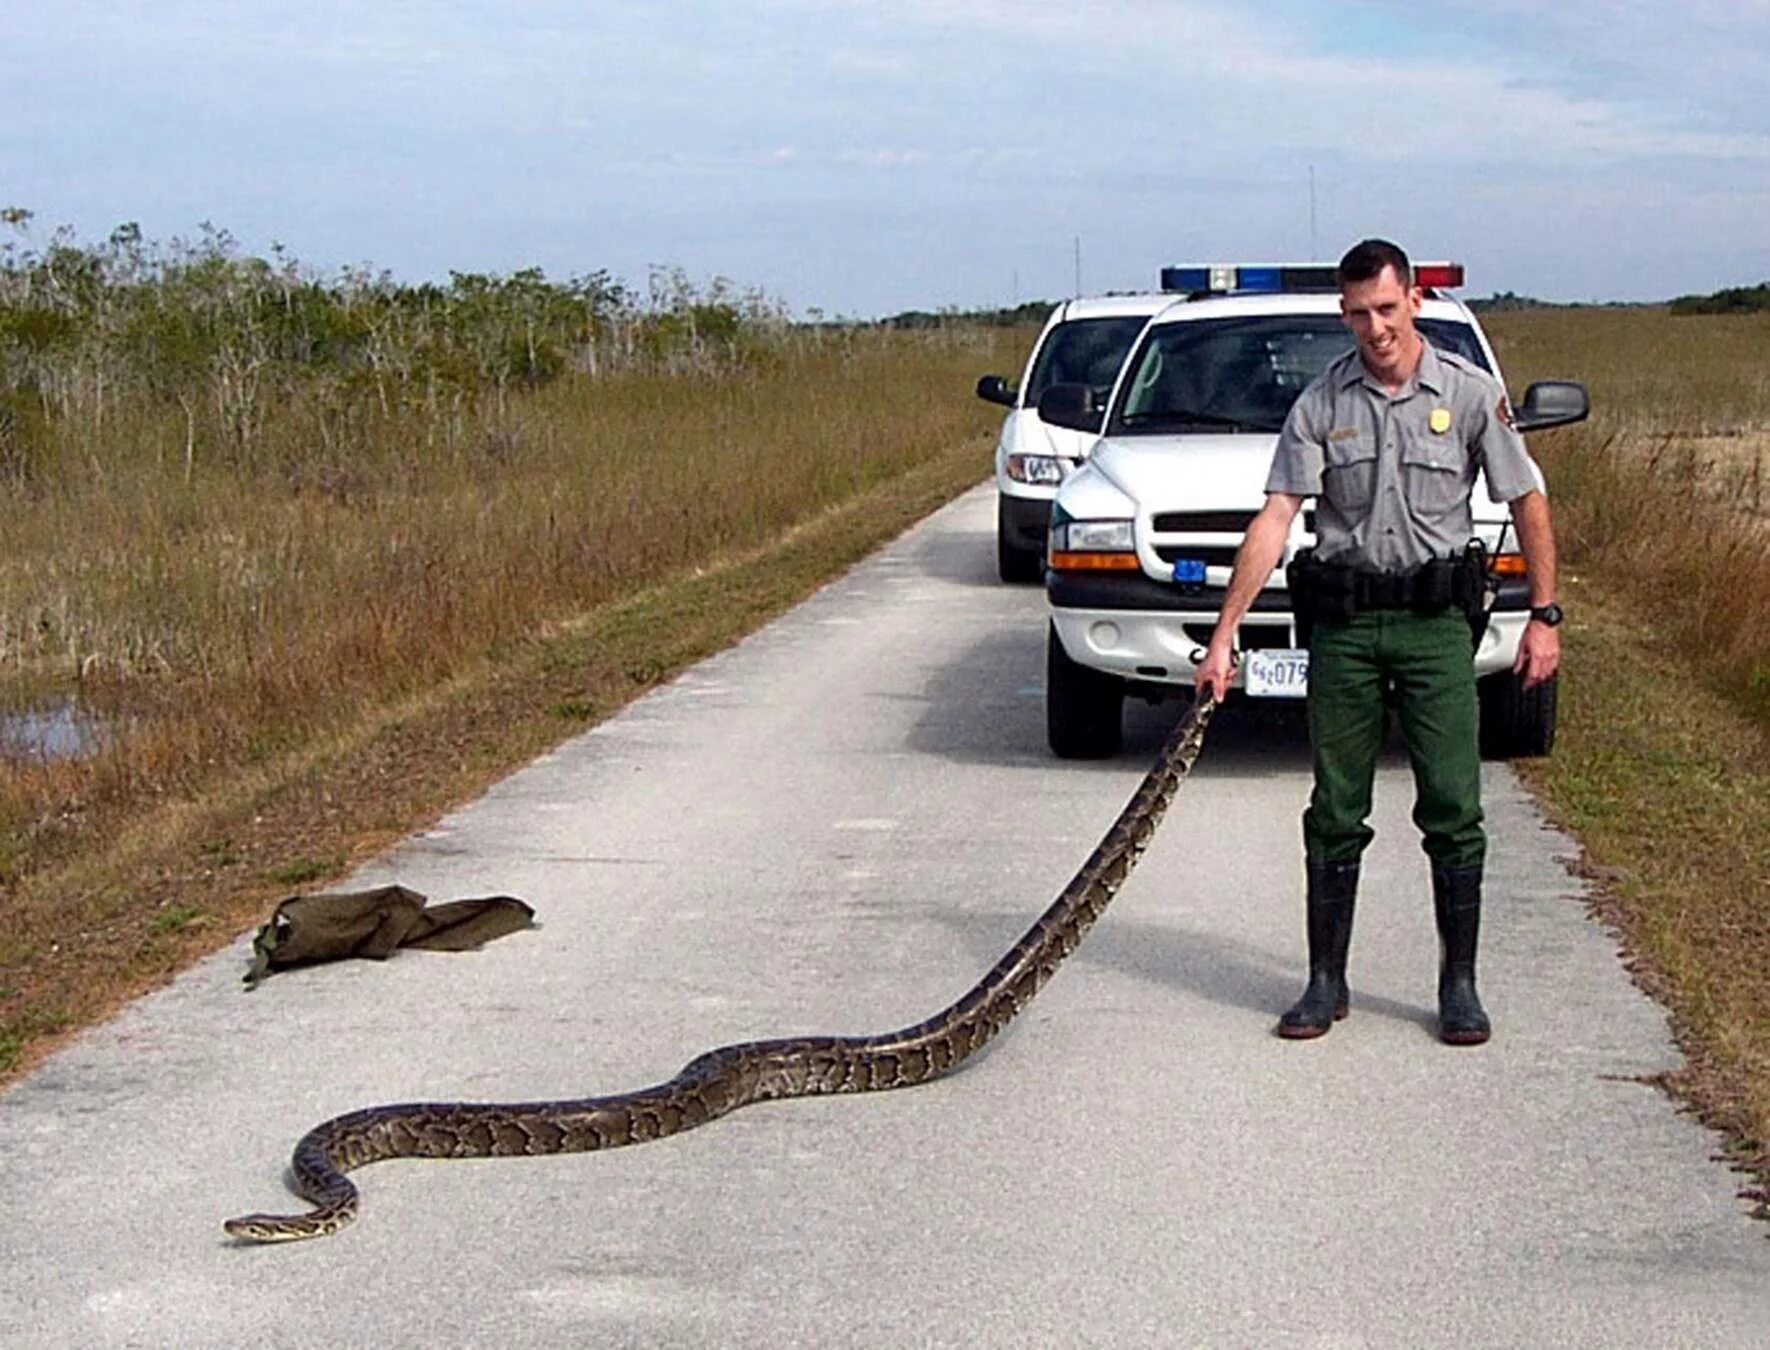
x: 1365, y: 261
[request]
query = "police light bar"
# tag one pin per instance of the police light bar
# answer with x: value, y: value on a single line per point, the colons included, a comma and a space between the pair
x: 1273, y: 278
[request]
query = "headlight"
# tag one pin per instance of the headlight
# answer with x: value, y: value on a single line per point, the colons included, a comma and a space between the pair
x: 1094, y: 536
x: 1046, y: 469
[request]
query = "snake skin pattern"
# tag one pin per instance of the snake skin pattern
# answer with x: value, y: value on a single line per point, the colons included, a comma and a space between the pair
x: 735, y: 1075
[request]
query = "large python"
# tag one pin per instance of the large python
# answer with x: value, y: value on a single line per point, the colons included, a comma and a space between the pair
x: 735, y: 1075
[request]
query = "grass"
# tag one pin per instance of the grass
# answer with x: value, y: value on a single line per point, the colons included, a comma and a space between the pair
x: 380, y: 640
x: 304, y: 870
x: 1649, y: 371
x: 409, y: 694
x: 1662, y: 765
x: 1666, y: 783
x: 178, y: 917
x: 1641, y: 496
x: 231, y: 617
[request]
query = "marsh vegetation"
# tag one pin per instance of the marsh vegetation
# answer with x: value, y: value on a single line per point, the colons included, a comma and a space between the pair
x: 305, y: 559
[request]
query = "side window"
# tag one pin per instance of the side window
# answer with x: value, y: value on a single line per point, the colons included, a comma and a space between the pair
x: 1456, y: 338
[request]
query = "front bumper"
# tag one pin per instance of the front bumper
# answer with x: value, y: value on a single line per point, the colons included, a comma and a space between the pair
x: 1146, y: 633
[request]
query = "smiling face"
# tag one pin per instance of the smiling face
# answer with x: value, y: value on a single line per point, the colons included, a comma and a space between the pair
x: 1381, y: 312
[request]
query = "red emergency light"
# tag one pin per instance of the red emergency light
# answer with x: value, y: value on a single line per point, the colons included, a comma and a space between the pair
x: 1438, y: 275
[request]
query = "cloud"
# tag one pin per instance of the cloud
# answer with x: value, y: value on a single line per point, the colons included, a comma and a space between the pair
x: 882, y: 158
x: 1408, y: 86
x: 1583, y: 148
x: 849, y: 61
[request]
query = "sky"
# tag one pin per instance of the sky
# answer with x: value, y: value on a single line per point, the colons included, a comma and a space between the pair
x: 861, y: 159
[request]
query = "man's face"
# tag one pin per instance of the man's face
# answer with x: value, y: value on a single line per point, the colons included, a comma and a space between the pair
x: 1381, y: 312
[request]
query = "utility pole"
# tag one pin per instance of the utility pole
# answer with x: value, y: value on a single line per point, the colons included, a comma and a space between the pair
x: 1078, y: 266
x: 1313, y: 254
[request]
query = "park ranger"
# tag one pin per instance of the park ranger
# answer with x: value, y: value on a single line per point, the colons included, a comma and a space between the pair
x: 1389, y: 441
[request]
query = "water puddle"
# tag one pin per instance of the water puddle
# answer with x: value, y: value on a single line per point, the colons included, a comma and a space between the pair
x: 56, y: 731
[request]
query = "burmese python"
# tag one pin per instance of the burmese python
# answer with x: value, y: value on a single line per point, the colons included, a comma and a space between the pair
x: 735, y: 1075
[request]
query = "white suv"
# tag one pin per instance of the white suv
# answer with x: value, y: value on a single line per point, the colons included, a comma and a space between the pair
x: 1083, y: 342
x: 1144, y: 535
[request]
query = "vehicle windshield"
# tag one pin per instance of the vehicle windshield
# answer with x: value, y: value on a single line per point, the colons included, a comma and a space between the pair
x: 1083, y: 351
x: 1243, y: 374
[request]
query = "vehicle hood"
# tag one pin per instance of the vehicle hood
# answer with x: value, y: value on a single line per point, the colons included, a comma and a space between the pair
x: 1219, y: 472
x: 1194, y: 473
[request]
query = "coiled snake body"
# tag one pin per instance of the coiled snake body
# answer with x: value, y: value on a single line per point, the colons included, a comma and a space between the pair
x: 735, y: 1075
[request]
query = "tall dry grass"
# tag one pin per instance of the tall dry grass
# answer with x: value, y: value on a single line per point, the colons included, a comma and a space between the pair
x: 1664, y: 491
x: 213, y: 611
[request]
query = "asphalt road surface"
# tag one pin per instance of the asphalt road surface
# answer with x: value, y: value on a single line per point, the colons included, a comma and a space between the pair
x: 837, y: 826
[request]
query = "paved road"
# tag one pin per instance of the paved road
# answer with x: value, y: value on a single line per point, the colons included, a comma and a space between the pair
x: 837, y: 826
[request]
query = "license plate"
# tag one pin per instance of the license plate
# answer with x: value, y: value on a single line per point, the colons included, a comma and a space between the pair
x: 1275, y: 672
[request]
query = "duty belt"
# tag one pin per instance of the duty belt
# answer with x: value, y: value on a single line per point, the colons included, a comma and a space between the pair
x: 1335, y: 591
x: 1422, y: 587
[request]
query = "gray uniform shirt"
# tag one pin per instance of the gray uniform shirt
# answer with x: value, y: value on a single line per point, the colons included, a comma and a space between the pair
x: 1392, y: 474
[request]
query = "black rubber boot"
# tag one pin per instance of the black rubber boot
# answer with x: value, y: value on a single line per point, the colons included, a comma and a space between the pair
x: 1456, y: 899
x: 1333, y: 892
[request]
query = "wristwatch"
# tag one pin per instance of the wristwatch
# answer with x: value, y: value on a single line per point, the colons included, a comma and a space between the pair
x: 1549, y: 614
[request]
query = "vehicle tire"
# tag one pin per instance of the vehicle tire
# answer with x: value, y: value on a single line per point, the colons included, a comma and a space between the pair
x: 1084, y: 708
x: 1516, y: 723
x: 1014, y: 564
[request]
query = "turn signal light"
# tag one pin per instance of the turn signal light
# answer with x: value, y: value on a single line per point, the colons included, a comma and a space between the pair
x: 1507, y: 564
x: 1093, y: 562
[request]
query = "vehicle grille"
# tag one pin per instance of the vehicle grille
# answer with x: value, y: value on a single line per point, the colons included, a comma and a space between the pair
x: 1211, y: 555
x: 1254, y: 636
x: 1203, y: 522
x: 1213, y: 522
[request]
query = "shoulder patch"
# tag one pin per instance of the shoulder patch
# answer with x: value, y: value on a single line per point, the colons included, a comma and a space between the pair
x: 1503, y: 410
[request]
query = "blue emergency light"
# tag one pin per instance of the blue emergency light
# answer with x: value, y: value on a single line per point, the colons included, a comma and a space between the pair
x: 1276, y: 278
x: 1189, y: 572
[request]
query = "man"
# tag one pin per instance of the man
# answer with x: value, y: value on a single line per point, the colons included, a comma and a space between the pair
x: 1389, y: 441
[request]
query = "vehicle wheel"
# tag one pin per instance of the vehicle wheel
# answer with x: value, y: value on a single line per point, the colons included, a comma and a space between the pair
x: 1084, y: 708
x: 1015, y: 564
x: 1516, y: 723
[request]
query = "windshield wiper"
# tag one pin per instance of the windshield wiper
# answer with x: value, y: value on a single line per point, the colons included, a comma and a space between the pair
x: 1186, y: 418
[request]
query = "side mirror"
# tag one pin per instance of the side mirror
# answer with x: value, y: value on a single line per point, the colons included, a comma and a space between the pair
x: 1072, y: 406
x: 1551, y: 403
x: 994, y: 389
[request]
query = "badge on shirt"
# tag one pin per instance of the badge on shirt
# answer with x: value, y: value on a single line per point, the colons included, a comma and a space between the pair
x: 1343, y: 434
x: 1439, y: 421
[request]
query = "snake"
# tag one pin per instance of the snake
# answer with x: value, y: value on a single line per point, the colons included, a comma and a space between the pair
x: 723, y: 1079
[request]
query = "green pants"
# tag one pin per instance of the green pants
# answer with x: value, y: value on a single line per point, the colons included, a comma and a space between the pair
x: 1426, y: 658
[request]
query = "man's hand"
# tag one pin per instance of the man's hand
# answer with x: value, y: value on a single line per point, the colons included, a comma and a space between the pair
x: 1213, y: 673
x: 1539, y: 654
x: 1259, y: 553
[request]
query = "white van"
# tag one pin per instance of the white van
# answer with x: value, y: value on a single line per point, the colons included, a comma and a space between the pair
x: 1083, y: 342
